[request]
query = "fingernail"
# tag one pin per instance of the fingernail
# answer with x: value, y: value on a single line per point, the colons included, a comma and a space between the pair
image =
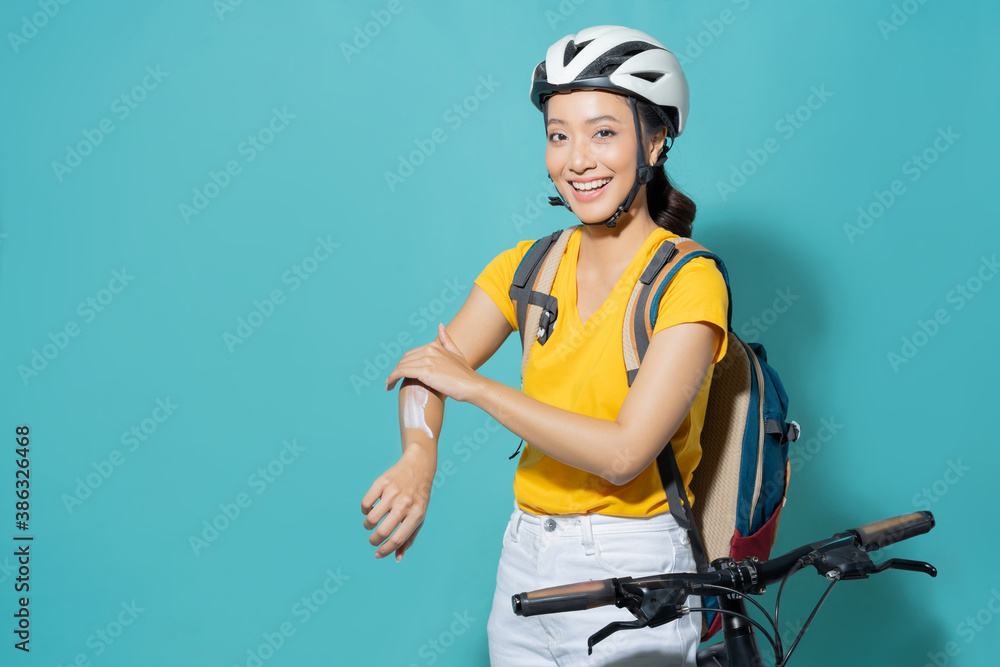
x: 377, y: 556
x: 399, y: 558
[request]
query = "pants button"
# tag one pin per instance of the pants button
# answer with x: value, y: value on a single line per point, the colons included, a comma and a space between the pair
x: 549, y: 525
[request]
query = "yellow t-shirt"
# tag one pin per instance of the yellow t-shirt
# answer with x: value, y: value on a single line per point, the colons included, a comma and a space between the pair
x: 581, y: 368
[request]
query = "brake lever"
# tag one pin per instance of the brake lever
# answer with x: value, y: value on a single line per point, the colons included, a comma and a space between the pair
x: 651, y: 607
x: 849, y: 562
x: 909, y: 565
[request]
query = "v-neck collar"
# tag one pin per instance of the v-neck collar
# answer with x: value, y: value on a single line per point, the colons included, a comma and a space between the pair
x: 573, y: 247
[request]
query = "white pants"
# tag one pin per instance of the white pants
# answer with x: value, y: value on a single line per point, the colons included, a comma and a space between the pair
x: 542, y: 551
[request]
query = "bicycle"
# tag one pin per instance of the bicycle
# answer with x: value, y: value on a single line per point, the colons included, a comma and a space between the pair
x: 659, y: 599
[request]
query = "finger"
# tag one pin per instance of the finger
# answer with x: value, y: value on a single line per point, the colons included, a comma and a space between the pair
x: 394, y: 376
x: 416, y: 370
x: 368, y: 501
x: 446, y: 340
x: 401, y: 551
x: 401, y: 371
x: 398, y: 375
x: 385, y: 529
x: 379, y: 510
x: 419, y: 351
x: 398, y: 538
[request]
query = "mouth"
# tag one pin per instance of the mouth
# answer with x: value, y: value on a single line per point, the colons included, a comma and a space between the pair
x: 589, y: 190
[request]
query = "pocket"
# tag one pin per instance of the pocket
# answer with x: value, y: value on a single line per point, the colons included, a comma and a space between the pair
x: 640, y: 553
x: 760, y: 543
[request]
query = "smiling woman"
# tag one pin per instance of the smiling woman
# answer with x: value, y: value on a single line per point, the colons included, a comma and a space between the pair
x: 589, y: 501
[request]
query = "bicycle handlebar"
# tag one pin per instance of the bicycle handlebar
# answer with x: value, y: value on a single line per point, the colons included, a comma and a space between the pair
x: 879, y: 534
x: 571, y: 597
x: 747, y: 576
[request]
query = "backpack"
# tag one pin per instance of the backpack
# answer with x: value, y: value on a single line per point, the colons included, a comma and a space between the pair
x: 741, y: 482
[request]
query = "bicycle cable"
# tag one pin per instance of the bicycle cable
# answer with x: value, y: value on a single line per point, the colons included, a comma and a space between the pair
x: 799, y: 564
x: 808, y: 621
x: 760, y: 627
x: 750, y: 600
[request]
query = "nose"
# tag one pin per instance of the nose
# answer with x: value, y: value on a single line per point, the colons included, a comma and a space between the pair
x: 580, y: 158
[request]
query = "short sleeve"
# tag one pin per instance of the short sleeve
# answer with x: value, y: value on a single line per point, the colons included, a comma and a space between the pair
x: 697, y: 293
x: 498, y: 275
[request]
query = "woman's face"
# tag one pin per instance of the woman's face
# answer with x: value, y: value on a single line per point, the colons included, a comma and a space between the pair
x: 590, y: 151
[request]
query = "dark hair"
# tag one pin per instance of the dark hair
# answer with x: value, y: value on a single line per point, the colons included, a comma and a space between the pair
x: 668, y: 206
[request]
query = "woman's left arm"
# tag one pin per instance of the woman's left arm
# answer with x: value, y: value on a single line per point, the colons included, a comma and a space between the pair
x: 671, y: 375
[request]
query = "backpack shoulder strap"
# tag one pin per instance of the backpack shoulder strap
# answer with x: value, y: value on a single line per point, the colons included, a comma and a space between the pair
x: 637, y: 329
x: 536, y: 309
x: 644, y: 302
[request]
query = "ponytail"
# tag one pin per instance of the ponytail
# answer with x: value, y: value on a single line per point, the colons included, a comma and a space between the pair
x: 668, y: 206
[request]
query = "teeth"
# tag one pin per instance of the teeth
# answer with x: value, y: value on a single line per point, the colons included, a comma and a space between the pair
x: 591, y: 185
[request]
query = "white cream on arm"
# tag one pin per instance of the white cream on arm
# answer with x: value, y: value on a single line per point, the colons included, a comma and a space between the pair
x: 413, y: 408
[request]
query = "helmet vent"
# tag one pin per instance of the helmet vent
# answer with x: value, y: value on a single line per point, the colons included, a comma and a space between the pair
x: 652, y: 77
x: 609, y: 61
x: 572, y: 48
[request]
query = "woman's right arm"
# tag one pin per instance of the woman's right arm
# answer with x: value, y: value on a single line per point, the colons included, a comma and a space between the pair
x: 403, y: 491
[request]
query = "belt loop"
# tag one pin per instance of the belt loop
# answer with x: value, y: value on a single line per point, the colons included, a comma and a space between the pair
x: 588, y: 535
x: 516, y: 523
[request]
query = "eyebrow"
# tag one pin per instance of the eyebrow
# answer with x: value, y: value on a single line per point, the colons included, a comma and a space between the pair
x: 589, y: 121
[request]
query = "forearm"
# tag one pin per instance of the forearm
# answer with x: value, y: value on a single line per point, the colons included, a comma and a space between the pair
x: 421, y: 413
x: 587, y: 443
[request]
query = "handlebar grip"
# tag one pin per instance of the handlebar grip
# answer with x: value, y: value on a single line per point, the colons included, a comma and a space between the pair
x: 879, y: 534
x: 571, y: 597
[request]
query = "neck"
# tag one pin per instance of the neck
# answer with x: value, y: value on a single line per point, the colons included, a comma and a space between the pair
x: 615, y: 247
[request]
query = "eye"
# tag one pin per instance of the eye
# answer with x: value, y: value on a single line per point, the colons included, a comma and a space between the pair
x: 610, y: 133
x: 553, y: 134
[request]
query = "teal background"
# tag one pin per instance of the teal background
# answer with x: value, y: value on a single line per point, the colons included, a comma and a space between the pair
x: 300, y: 375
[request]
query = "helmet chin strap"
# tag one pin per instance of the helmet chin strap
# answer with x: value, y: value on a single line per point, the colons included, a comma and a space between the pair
x: 643, y: 174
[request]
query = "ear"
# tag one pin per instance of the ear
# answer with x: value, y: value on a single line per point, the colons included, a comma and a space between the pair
x: 656, y: 144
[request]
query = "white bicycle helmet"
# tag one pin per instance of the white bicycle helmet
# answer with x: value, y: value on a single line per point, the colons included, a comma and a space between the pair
x: 619, y: 60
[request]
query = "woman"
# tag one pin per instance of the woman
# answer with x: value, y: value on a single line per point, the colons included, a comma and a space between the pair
x: 589, y: 501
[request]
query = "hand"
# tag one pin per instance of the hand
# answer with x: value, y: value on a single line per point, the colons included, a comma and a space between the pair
x: 403, y: 493
x: 440, y: 365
